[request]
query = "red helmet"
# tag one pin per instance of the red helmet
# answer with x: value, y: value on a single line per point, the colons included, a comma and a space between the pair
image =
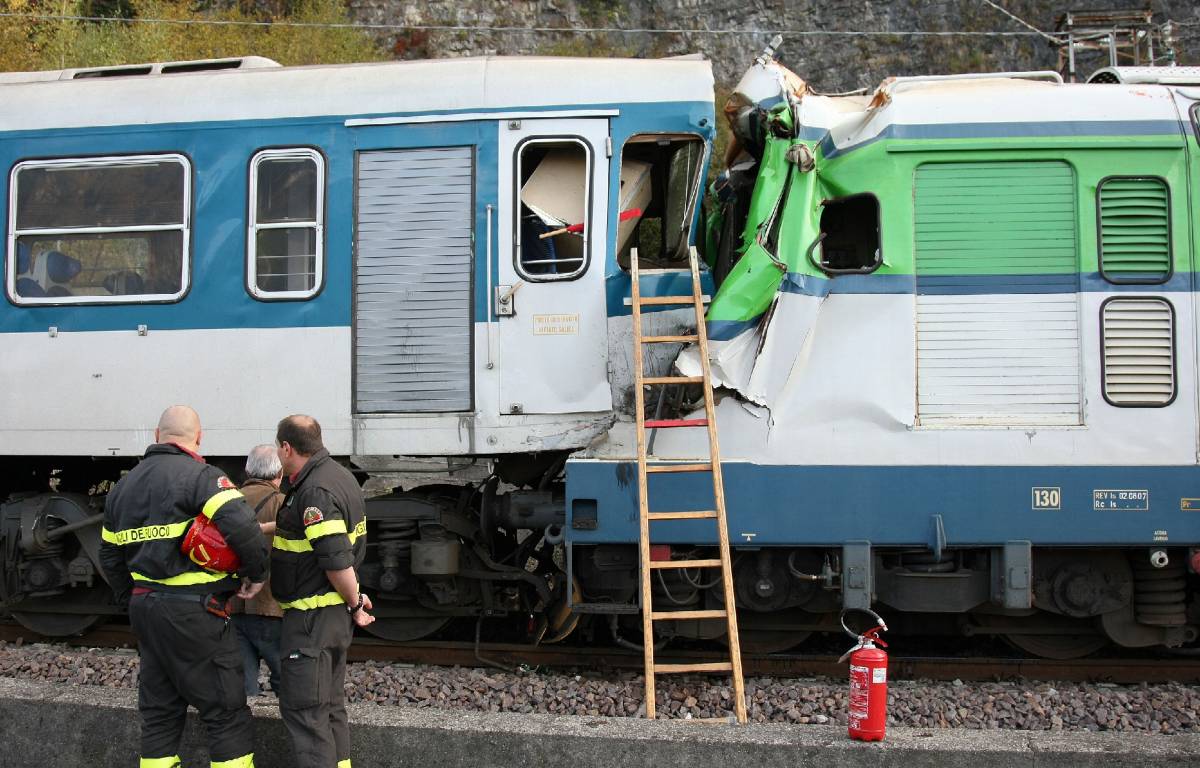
x: 205, y: 546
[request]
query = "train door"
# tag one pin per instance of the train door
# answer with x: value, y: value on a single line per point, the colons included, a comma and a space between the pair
x: 412, y: 280
x: 552, y: 234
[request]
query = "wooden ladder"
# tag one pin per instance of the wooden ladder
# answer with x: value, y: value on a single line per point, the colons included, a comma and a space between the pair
x: 712, y: 465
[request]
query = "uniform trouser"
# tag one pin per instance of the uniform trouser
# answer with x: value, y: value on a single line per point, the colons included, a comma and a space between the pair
x: 189, y: 656
x: 312, y: 699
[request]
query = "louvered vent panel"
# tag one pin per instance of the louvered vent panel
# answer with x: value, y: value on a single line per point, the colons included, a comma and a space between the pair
x: 1139, y: 352
x: 1135, y: 231
x: 997, y: 294
x: 412, y: 317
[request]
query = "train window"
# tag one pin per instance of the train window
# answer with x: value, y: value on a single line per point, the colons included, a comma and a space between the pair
x: 660, y: 186
x: 99, y: 230
x: 1134, y: 216
x: 1138, y: 342
x: 849, y: 240
x: 286, y: 224
x: 554, y: 209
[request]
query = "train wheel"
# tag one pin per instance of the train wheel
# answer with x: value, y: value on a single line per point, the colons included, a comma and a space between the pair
x: 404, y: 629
x: 773, y: 632
x: 45, y: 621
x: 1060, y: 647
x: 769, y: 640
x: 1046, y: 635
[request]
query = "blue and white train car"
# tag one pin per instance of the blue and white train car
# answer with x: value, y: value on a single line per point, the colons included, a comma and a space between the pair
x: 360, y: 243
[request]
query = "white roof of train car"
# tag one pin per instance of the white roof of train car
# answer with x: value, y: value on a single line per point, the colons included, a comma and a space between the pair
x: 998, y: 102
x: 47, y: 100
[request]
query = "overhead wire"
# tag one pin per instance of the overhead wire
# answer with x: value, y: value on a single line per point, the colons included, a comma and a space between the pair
x: 1023, y: 23
x: 517, y: 29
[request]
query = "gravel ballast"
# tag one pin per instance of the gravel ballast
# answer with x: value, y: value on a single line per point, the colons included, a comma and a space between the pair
x: 1165, y: 709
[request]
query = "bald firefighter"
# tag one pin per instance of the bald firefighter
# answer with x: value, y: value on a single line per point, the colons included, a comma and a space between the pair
x: 188, y: 648
x: 320, y: 538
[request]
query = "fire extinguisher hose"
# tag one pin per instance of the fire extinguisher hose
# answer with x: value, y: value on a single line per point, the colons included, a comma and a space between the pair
x: 862, y: 639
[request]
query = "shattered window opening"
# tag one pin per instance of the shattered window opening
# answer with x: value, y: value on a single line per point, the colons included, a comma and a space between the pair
x: 660, y: 182
x: 850, y: 230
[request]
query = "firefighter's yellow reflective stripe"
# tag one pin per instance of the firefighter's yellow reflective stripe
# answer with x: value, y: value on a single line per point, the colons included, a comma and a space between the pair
x: 245, y: 761
x: 327, y: 528
x: 183, y: 579
x: 160, y: 762
x: 291, y: 545
x: 316, y: 601
x: 219, y: 500
x: 145, y: 533
x: 303, y: 545
x: 344, y: 763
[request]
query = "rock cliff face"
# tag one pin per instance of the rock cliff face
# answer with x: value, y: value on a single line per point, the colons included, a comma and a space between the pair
x: 818, y: 48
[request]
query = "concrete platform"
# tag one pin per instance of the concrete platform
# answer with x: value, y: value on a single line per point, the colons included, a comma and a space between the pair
x: 64, y: 726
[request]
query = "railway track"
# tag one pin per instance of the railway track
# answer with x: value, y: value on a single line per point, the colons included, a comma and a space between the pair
x: 1125, y: 671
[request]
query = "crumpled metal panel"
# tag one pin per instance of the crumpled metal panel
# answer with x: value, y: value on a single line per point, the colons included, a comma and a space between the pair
x: 412, y: 282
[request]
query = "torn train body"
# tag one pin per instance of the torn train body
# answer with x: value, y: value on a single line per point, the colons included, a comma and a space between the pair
x: 955, y: 323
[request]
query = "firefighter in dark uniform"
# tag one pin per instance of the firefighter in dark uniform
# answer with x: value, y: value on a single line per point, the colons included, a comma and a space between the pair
x: 320, y: 538
x: 189, y: 652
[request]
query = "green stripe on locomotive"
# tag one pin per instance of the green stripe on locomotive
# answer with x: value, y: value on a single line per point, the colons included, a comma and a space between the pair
x: 1032, y: 207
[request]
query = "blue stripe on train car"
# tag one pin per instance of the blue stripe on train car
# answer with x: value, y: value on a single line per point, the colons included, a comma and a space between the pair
x: 220, y: 153
x: 894, y: 505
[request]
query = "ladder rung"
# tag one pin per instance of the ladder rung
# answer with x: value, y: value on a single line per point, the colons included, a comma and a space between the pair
x: 718, y: 613
x: 702, y: 514
x: 685, y: 564
x: 664, y: 271
x: 705, y: 666
x: 650, y: 301
x: 672, y: 423
x: 669, y: 339
x: 673, y: 380
x: 655, y: 468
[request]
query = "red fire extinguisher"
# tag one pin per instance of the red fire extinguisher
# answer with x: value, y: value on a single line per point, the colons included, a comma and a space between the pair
x: 868, y: 680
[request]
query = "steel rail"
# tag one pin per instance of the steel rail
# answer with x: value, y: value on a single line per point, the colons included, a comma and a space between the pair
x: 1121, y: 671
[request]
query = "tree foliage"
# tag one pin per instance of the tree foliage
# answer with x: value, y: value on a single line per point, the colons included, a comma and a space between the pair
x: 158, y: 30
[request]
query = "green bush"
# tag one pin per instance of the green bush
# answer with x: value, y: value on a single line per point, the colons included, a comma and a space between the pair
x: 155, y: 30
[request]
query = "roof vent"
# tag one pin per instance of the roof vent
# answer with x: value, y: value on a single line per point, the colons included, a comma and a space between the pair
x: 171, y: 68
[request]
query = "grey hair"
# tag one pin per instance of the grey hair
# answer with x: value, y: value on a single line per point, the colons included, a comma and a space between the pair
x: 263, y: 462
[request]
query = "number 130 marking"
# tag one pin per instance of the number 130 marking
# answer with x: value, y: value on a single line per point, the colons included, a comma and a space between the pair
x: 1047, y: 498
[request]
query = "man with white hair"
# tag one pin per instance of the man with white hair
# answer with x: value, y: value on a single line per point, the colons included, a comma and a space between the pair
x: 259, y: 619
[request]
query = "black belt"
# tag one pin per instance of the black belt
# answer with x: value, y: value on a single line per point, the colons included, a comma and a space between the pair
x: 172, y: 596
x: 214, y: 604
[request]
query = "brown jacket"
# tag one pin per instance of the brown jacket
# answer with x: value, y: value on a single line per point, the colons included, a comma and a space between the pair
x: 265, y: 498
